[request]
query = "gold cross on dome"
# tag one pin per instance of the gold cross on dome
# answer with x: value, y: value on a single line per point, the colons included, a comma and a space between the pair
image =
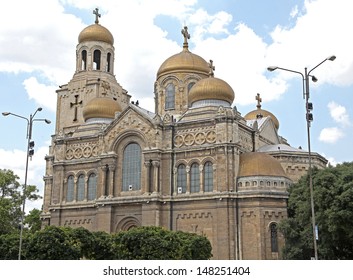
x: 259, y: 100
x: 186, y: 35
x: 98, y: 15
x: 212, y: 68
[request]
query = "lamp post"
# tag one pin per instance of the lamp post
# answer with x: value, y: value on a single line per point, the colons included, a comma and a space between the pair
x: 309, y: 119
x: 30, y: 145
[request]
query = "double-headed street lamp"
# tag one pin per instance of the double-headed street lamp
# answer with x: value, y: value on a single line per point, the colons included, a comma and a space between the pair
x: 30, y: 145
x: 309, y: 119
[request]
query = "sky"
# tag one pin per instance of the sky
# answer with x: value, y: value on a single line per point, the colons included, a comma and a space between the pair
x: 38, y: 41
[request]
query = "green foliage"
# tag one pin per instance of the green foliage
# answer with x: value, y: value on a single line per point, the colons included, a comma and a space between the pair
x: 52, y: 243
x: 9, y: 246
x: 333, y: 197
x: 32, y: 220
x: 144, y: 243
x: 11, y: 201
x: 155, y: 243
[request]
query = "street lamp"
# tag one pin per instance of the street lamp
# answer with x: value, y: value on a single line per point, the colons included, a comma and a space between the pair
x: 30, y: 145
x: 309, y: 119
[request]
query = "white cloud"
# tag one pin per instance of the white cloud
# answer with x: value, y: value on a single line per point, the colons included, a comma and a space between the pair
x: 331, y: 135
x: 339, y: 113
x: 313, y: 38
x: 44, y: 95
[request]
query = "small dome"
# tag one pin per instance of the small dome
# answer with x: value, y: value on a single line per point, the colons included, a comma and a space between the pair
x: 211, y: 88
x: 96, y: 32
x: 185, y: 61
x: 101, y: 107
x: 259, y: 164
x: 260, y: 113
x: 253, y: 115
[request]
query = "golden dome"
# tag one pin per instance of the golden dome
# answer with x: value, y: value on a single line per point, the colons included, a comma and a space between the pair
x: 96, y: 32
x: 185, y: 61
x: 101, y: 107
x: 211, y: 88
x: 259, y: 164
x: 253, y: 115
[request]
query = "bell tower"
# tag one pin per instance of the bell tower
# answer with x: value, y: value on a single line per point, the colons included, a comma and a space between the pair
x: 93, y: 78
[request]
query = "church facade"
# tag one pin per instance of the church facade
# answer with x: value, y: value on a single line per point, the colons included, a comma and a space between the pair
x: 194, y: 164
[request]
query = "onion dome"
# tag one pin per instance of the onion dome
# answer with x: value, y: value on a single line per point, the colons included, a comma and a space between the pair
x: 101, y: 108
x: 260, y: 113
x: 185, y: 61
x: 259, y: 164
x: 96, y: 32
x: 211, y: 88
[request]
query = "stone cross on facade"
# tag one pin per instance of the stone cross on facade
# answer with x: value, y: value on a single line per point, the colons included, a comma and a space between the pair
x: 212, y: 68
x: 98, y: 15
x: 75, y: 105
x: 186, y: 36
x: 259, y: 100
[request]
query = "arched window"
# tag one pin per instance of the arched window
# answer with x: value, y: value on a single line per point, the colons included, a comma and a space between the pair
x: 208, y: 177
x: 70, y: 189
x: 132, y: 167
x: 190, y: 85
x: 170, y: 96
x: 97, y: 60
x: 81, y: 188
x: 84, y: 60
x: 194, y: 178
x: 109, y: 55
x: 274, y: 239
x: 181, y: 178
x: 92, y: 187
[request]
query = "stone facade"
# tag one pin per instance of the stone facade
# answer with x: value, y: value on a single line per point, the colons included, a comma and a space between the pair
x: 180, y: 168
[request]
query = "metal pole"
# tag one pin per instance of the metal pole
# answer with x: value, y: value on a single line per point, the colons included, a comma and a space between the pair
x: 29, y: 135
x: 308, y: 120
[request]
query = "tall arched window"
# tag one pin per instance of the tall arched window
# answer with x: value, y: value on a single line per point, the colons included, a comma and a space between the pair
x: 181, y: 179
x: 194, y: 178
x: 92, y: 187
x: 208, y: 177
x: 274, y: 238
x: 132, y: 167
x: 170, y: 96
x: 109, y: 55
x: 97, y: 60
x: 81, y: 188
x: 70, y: 188
x: 84, y: 60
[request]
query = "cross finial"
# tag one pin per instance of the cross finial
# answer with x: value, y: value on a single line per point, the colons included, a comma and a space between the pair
x: 98, y: 15
x: 259, y: 100
x: 186, y: 37
x: 212, y: 68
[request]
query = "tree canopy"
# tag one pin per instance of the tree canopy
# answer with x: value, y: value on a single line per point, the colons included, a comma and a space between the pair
x: 11, y: 199
x: 333, y: 204
x: 143, y: 243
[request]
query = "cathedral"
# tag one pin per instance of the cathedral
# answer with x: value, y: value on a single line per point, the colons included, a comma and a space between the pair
x: 195, y: 164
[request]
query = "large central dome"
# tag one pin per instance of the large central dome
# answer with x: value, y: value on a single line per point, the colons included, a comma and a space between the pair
x: 184, y: 61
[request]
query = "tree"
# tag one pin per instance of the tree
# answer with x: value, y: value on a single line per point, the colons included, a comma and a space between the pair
x: 155, y: 243
x: 11, y: 199
x: 52, y: 243
x: 10, y: 202
x: 333, y: 198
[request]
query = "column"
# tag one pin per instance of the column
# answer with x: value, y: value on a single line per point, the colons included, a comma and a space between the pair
x: 155, y: 164
x: 148, y: 182
x: 111, y: 180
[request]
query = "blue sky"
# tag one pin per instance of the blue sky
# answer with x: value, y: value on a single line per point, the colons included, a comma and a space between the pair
x: 243, y: 38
